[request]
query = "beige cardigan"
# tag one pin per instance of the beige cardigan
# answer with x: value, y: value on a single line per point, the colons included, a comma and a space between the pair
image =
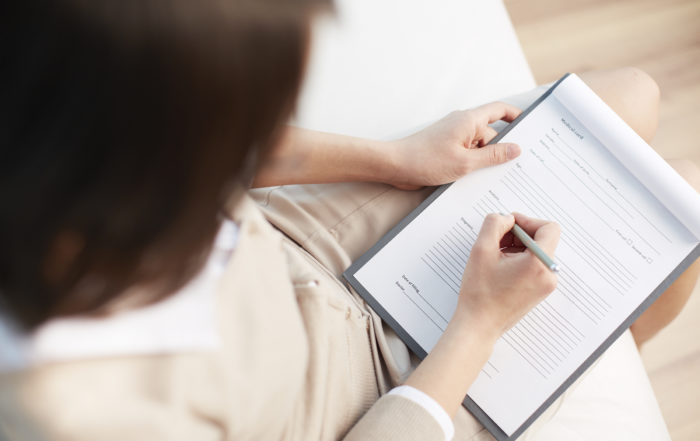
x: 300, y: 359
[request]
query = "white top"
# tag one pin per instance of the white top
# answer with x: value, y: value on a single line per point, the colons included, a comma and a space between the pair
x: 182, y: 322
x: 432, y: 406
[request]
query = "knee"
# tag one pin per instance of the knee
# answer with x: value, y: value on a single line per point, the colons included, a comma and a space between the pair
x: 641, y: 82
x: 632, y: 94
x: 639, y: 96
x: 642, y: 87
x: 641, y: 99
x: 688, y: 170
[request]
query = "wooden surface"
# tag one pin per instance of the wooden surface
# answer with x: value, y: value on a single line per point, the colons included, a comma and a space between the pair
x: 661, y: 37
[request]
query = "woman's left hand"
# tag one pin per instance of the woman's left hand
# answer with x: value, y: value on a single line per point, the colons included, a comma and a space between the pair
x: 451, y: 147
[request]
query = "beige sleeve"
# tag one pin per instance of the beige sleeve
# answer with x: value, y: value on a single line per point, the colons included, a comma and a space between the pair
x: 102, y: 400
x: 131, y: 424
x: 394, y: 417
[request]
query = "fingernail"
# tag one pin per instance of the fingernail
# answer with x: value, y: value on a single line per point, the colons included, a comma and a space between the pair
x: 513, y: 151
x: 508, y: 215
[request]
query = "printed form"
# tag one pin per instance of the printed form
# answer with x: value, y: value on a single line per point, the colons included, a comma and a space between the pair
x: 618, y: 243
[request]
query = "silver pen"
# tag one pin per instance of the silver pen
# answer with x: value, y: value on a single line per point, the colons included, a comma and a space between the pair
x: 534, y: 248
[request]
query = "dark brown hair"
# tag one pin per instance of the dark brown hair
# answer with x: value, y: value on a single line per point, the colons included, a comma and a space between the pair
x: 124, y: 126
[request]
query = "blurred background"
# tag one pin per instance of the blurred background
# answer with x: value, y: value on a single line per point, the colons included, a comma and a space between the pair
x: 661, y: 37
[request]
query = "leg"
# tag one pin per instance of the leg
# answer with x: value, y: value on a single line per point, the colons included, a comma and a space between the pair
x: 632, y: 94
x: 671, y: 302
x: 337, y: 223
x: 635, y: 97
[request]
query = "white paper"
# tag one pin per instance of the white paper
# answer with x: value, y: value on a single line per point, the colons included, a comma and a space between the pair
x: 618, y: 243
x: 631, y: 150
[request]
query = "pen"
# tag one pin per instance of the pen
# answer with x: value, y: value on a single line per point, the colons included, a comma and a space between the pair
x: 534, y: 248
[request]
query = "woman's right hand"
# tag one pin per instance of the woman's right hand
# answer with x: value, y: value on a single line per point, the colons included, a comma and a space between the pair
x: 503, y: 280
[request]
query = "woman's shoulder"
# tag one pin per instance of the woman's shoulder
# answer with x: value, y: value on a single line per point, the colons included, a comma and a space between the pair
x: 230, y: 347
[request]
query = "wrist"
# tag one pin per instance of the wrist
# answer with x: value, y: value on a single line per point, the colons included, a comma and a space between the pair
x: 475, y: 326
x: 452, y: 365
x: 403, y: 168
x: 384, y: 163
x: 365, y: 160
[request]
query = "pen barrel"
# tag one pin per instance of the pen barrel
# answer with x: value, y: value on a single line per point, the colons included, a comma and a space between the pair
x: 531, y: 245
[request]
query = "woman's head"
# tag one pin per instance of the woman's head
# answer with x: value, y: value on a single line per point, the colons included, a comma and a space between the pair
x: 124, y: 126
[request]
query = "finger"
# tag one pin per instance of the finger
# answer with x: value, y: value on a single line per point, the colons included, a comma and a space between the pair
x: 498, y: 111
x: 493, y: 154
x: 493, y: 229
x: 547, y: 237
x: 486, y: 134
x: 529, y: 224
x: 546, y: 233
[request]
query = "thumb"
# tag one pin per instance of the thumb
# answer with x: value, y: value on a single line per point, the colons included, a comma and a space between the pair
x: 494, y: 154
x: 493, y: 229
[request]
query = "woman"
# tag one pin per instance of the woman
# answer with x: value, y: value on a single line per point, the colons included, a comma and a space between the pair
x: 140, y: 126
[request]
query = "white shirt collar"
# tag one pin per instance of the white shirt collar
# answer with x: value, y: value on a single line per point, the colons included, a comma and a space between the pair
x: 184, y: 321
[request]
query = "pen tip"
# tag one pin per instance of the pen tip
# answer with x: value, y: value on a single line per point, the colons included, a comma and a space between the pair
x: 554, y: 267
